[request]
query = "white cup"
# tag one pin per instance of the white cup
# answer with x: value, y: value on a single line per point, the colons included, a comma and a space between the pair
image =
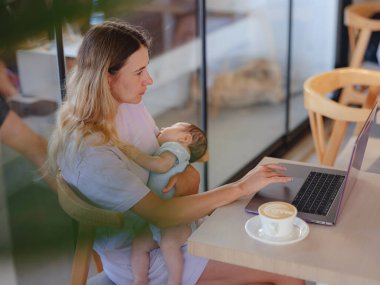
x: 277, y: 218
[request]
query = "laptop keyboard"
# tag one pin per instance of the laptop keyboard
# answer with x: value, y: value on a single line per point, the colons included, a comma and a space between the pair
x: 317, y: 193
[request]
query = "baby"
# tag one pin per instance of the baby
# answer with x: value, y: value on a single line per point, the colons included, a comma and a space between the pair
x: 180, y: 144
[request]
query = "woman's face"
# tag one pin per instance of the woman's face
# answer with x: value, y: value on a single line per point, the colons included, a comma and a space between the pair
x: 129, y: 84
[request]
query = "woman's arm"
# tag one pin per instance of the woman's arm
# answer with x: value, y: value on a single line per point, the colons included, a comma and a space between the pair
x: 185, y: 183
x: 179, y: 210
x: 159, y: 164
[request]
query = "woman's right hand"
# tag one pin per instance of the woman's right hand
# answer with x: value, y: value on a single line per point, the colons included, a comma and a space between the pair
x: 261, y: 176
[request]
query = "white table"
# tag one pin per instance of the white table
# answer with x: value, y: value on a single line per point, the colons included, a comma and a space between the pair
x: 347, y: 253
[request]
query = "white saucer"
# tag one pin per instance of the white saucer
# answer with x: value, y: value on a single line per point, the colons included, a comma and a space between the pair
x: 299, y: 232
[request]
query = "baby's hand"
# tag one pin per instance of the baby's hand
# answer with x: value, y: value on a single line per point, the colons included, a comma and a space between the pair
x: 131, y: 151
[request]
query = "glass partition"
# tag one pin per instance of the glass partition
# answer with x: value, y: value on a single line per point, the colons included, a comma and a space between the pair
x: 313, y: 48
x: 269, y: 48
x: 246, y: 81
x: 258, y: 53
x: 248, y: 68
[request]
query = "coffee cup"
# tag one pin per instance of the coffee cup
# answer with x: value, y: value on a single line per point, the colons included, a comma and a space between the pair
x: 277, y: 218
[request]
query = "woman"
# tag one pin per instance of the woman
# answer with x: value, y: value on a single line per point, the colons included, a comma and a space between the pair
x: 103, y: 109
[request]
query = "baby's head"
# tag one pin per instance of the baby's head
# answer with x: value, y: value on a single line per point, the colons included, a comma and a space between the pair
x: 188, y: 135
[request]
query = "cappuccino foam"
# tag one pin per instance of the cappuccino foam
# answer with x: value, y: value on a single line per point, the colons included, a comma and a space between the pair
x: 277, y: 210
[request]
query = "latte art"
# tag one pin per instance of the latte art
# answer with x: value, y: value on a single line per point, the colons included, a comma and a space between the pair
x: 277, y: 210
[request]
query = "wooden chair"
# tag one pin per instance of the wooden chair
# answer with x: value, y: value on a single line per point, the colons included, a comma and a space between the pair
x: 360, y: 25
x: 320, y: 106
x: 89, y: 217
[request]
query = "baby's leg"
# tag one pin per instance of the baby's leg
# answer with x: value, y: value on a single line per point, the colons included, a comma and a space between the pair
x: 141, y: 247
x: 171, y: 241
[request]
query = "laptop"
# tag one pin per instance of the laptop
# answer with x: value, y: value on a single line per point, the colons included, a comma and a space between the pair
x: 318, y: 193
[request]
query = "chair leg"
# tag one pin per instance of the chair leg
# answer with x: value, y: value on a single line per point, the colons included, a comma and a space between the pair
x: 82, y: 255
x: 373, y: 92
x: 97, y: 261
x: 361, y: 46
x: 336, y: 138
x: 314, y: 132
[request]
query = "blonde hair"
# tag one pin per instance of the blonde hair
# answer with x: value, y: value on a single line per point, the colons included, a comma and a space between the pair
x: 89, y: 107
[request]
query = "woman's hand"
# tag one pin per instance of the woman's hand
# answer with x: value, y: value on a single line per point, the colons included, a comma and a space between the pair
x: 185, y: 183
x: 261, y: 176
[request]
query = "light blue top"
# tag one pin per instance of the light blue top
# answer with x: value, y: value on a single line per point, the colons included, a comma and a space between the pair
x: 157, y: 181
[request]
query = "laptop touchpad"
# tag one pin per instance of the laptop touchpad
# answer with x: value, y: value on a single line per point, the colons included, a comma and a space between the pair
x: 281, y: 191
x: 295, y: 170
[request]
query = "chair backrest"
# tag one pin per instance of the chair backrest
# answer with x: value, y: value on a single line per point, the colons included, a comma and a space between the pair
x: 357, y: 18
x: 89, y: 217
x: 360, y: 26
x: 319, y: 105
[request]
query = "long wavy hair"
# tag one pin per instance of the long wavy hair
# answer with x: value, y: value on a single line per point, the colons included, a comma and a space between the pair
x: 89, y: 107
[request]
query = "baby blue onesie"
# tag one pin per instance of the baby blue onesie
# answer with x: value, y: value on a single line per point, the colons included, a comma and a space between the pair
x: 157, y: 181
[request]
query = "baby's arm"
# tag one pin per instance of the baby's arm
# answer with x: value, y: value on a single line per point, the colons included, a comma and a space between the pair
x: 159, y: 164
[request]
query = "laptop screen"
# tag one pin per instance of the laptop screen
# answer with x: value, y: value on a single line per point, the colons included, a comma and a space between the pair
x: 357, y: 158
